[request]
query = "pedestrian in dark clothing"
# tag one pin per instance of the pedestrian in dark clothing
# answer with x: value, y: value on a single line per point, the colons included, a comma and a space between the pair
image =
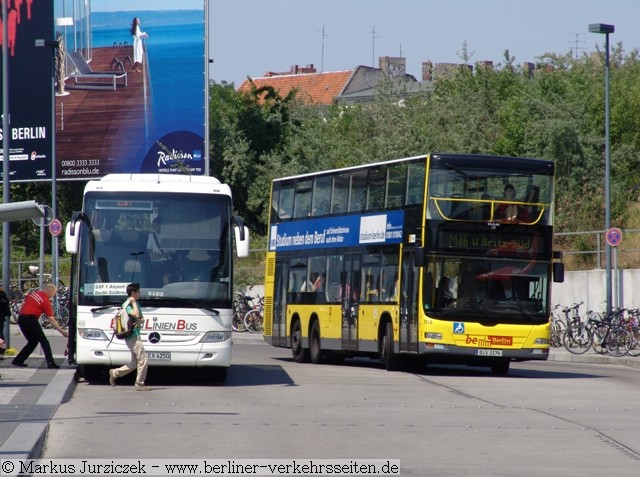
x: 5, y: 313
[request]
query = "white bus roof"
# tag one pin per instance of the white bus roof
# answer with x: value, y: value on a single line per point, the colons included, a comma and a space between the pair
x: 158, y: 183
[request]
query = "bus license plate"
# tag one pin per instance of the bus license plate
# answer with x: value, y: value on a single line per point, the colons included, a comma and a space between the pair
x: 489, y: 352
x: 159, y: 355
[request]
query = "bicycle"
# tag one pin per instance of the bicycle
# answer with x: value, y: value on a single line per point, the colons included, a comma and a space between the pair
x: 16, y: 300
x: 241, y: 304
x: 253, y: 320
x: 577, y: 338
x: 610, y: 335
x: 558, y: 328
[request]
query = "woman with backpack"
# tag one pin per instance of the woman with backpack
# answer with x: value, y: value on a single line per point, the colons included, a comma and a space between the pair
x: 133, y: 342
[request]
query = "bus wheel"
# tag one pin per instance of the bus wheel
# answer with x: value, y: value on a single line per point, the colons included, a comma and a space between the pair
x: 389, y: 357
x: 89, y: 373
x: 500, y: 367
x: 300, y: 354
x: 218, y: 374
x: 315, y: 351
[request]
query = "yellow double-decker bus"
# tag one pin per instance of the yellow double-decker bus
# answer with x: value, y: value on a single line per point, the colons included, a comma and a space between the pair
x: 441, y: 258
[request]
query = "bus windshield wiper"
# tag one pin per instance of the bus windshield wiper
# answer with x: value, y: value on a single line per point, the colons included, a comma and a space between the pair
x: 105, y: 307
x: 180, y: 301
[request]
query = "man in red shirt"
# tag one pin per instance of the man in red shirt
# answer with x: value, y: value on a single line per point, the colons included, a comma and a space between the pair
x: 35, y: 304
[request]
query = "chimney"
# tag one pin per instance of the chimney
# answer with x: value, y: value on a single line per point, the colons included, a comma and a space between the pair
x: 484, y: 64
x: 393, y: 67
x: 427, y: 71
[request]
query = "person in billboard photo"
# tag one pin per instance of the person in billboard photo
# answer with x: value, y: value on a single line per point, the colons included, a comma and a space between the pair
x: 138, y: 52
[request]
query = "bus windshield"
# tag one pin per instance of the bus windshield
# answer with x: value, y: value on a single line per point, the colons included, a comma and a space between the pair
x: 176, y: 245
x: 472, y: 192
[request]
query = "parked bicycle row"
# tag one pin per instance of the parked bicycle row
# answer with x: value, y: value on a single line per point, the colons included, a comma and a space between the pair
x: 616, y: 333
x: 60, y: 304
x: 248, y: 312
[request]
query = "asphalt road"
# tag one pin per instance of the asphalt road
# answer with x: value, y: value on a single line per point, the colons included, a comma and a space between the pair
x: 544, y: 418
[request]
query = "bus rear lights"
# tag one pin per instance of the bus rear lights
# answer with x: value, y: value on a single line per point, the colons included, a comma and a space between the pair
x: 433, y: 336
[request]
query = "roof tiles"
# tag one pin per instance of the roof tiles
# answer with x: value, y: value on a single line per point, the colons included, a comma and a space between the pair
x: 319, y: 88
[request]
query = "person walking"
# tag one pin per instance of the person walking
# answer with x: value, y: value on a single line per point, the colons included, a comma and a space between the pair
x: 134, y: 342
x: 35, y: 304
x: 5, y: 313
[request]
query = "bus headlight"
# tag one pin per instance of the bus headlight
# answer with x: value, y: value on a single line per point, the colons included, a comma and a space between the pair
x: 433, y: 336
x: 92, y: 334
x: 541, y: 341
x: 216, y: 336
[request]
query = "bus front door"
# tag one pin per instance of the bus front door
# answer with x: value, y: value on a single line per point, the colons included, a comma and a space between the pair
x: 350, y: 289
x: 408, y: 303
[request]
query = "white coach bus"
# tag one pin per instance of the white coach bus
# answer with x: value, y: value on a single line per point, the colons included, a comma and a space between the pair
x: 172, y: 234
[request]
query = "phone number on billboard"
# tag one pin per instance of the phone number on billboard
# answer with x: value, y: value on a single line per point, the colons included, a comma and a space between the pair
x: 80, y: 163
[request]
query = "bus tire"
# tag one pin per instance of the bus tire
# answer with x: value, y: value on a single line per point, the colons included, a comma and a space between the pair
x: 500, y: 367
x: 315, y: 350
x: 89, y: 373
x: 389, y: 357
x: 299, y: 352
x: 218, y: 374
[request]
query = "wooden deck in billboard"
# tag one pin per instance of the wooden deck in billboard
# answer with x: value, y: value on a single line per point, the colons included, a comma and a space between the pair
x: 97, y: 126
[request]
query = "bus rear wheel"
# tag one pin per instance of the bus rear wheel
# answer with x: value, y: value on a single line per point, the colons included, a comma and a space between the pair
x: 299, y: 352
x: 388, y: 355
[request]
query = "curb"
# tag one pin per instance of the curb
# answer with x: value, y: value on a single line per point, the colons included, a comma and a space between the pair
x: 593, y: 358
x: 27, y: 440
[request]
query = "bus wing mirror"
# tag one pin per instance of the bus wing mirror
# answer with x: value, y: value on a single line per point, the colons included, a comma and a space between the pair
x: 72, y: 231
x: 558, y: 272
x: 242, y: 237
x: 72, y: 237
x: 418, y: 259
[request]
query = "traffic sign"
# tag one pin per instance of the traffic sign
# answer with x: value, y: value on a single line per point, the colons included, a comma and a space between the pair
x: 614, y: 236
x: 55, y: 227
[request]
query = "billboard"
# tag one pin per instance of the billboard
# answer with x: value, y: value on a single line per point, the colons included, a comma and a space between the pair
x: 153, y: 120
x: 30, y: 72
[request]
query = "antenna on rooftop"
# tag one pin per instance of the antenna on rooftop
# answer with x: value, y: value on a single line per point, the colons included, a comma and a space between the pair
x: 322, y: 58
x: 577, y: 42
x: 373, y: 46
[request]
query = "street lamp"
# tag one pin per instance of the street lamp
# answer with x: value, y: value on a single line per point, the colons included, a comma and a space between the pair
x: 605, y: 29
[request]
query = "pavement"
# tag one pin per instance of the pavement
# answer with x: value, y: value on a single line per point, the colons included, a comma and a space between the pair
x: 29, y: 397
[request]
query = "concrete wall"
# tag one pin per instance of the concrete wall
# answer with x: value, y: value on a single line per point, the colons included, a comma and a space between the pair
x: 590, y: 287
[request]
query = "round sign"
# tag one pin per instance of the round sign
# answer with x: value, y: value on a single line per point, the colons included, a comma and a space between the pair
x: 614, y: 236
x: 55, y: 227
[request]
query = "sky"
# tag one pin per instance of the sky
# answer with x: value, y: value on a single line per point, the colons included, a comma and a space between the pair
x: 251, y: 37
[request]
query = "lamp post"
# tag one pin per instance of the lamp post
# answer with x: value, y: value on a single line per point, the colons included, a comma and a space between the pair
x: 605, y: 29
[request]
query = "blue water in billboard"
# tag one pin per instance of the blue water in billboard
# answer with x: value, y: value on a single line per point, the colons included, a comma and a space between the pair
x: 175, y: 63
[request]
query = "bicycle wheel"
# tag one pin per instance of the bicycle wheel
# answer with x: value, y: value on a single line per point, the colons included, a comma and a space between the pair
x: 599, y: 332
x: 634, y: 349
x: 577, y: 338
x: 619, y: 342
x: 63, y: 316
x: 237, y: 323
x: 557, y: 330
x: 15, y: 310
x: 253, y: 321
